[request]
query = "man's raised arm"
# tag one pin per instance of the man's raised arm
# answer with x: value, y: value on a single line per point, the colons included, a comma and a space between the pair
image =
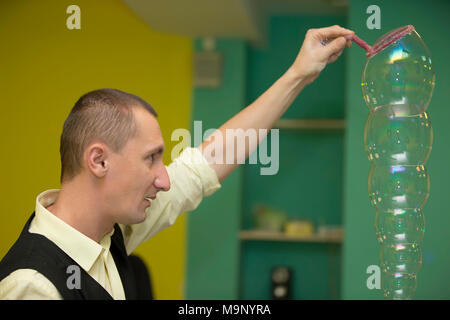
x: 320, y: 47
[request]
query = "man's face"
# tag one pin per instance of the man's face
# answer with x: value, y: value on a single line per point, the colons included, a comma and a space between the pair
x: 136, y: 172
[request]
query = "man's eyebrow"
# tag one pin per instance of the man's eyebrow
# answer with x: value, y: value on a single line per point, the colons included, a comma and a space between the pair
x: 158, y: 149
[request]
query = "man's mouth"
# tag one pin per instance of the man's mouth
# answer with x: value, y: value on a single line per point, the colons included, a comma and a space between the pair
x: 149, y: 199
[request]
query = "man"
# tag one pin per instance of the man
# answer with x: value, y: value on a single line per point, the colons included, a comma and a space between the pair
x: 111, y: 178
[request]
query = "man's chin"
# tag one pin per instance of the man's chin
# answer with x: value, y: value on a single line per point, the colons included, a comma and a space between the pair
x: 133, y: 219
x: 142, y: 219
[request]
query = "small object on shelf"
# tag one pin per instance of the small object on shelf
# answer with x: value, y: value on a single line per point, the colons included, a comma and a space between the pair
x: 330, y: 231
x: 299, y: 228
x: 269, y: 219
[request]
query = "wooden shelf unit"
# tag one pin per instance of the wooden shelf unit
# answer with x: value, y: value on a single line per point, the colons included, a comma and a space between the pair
x: 311, y: 124
x: 261, y: 235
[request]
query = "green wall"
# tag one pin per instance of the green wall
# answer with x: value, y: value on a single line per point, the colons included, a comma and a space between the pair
x: 212, y: 237
x: 219, y: 266
x: 309, y: 182
x: 309, y: 169
x: 361, y: 248
x: 323, y: 171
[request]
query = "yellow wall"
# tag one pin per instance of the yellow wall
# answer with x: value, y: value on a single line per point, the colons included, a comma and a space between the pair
x: 45, y: 68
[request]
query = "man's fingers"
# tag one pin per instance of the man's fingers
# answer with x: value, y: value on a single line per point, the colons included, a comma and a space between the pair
x: 336, y: 46
x: 333, y: 32
x: 334, y: 57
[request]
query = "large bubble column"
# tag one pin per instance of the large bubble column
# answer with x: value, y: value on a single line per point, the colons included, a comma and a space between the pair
x: 397, y: 84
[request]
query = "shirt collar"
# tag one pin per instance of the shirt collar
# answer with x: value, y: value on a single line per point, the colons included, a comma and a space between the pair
x: 75, y: 244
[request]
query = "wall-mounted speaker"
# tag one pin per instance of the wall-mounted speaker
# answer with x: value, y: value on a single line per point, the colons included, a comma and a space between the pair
x: 281, y: 283
x: 207, y: 69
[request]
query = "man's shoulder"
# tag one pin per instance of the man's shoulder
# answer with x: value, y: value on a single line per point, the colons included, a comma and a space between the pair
x: 33, y: 260
x: 29, y: 249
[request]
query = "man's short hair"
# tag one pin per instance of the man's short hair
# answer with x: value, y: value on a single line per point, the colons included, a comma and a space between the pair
x: 103, y: 115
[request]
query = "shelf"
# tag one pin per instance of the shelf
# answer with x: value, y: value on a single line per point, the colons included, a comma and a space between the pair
x: 260, y: 235
x: 311, y: 124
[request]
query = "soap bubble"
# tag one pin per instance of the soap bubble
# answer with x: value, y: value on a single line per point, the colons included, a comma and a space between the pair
x: 393, y: 140
x: 398, y: 285
x: 400, y: 264
x: 400, y: 76
x: 400, y: 226
x: 401, y: 258
x: 398, y: 187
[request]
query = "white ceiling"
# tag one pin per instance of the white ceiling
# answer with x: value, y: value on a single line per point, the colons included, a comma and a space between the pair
x: 225, y: 18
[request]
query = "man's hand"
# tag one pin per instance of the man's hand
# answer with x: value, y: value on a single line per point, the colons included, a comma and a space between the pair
x: 320, y: 47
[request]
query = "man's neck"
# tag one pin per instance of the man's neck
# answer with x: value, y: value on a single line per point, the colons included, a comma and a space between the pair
x: 80, y: 210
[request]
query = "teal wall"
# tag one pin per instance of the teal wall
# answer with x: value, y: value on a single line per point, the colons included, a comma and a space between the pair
x: 322, y: 175
x: 212, y: 236
x: 309, y: 182
x: 325, y: 96
x: 310, y: 166
x: 361, y: 248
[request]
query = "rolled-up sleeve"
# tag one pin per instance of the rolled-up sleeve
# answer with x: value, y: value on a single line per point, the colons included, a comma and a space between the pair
x: 191, y: 179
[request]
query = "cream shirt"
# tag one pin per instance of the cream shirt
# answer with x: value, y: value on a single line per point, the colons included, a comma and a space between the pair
x: 191, y: 179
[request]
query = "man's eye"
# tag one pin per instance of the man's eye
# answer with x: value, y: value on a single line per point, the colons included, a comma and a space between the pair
x: 155, y: 156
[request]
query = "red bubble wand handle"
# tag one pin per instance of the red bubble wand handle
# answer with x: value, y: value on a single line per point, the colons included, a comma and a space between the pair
x: 360, y: 42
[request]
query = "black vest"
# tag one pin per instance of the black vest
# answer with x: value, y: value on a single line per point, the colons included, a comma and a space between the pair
x: 34, y: 251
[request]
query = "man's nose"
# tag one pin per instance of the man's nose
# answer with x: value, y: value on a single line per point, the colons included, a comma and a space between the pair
x: 162, y: 180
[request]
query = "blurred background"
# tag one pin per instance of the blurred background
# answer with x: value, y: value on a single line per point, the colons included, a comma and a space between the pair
x: 206, y: 60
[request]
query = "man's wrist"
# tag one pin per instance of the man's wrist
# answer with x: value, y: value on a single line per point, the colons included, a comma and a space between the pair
x: 297, y: 79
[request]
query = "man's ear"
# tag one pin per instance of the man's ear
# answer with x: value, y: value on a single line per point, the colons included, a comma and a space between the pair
x: 96, y: 158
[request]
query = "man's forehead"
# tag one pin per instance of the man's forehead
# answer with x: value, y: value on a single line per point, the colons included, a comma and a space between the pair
x: 149, y: 132
x: 145, y: 120
x: 147, y: 125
